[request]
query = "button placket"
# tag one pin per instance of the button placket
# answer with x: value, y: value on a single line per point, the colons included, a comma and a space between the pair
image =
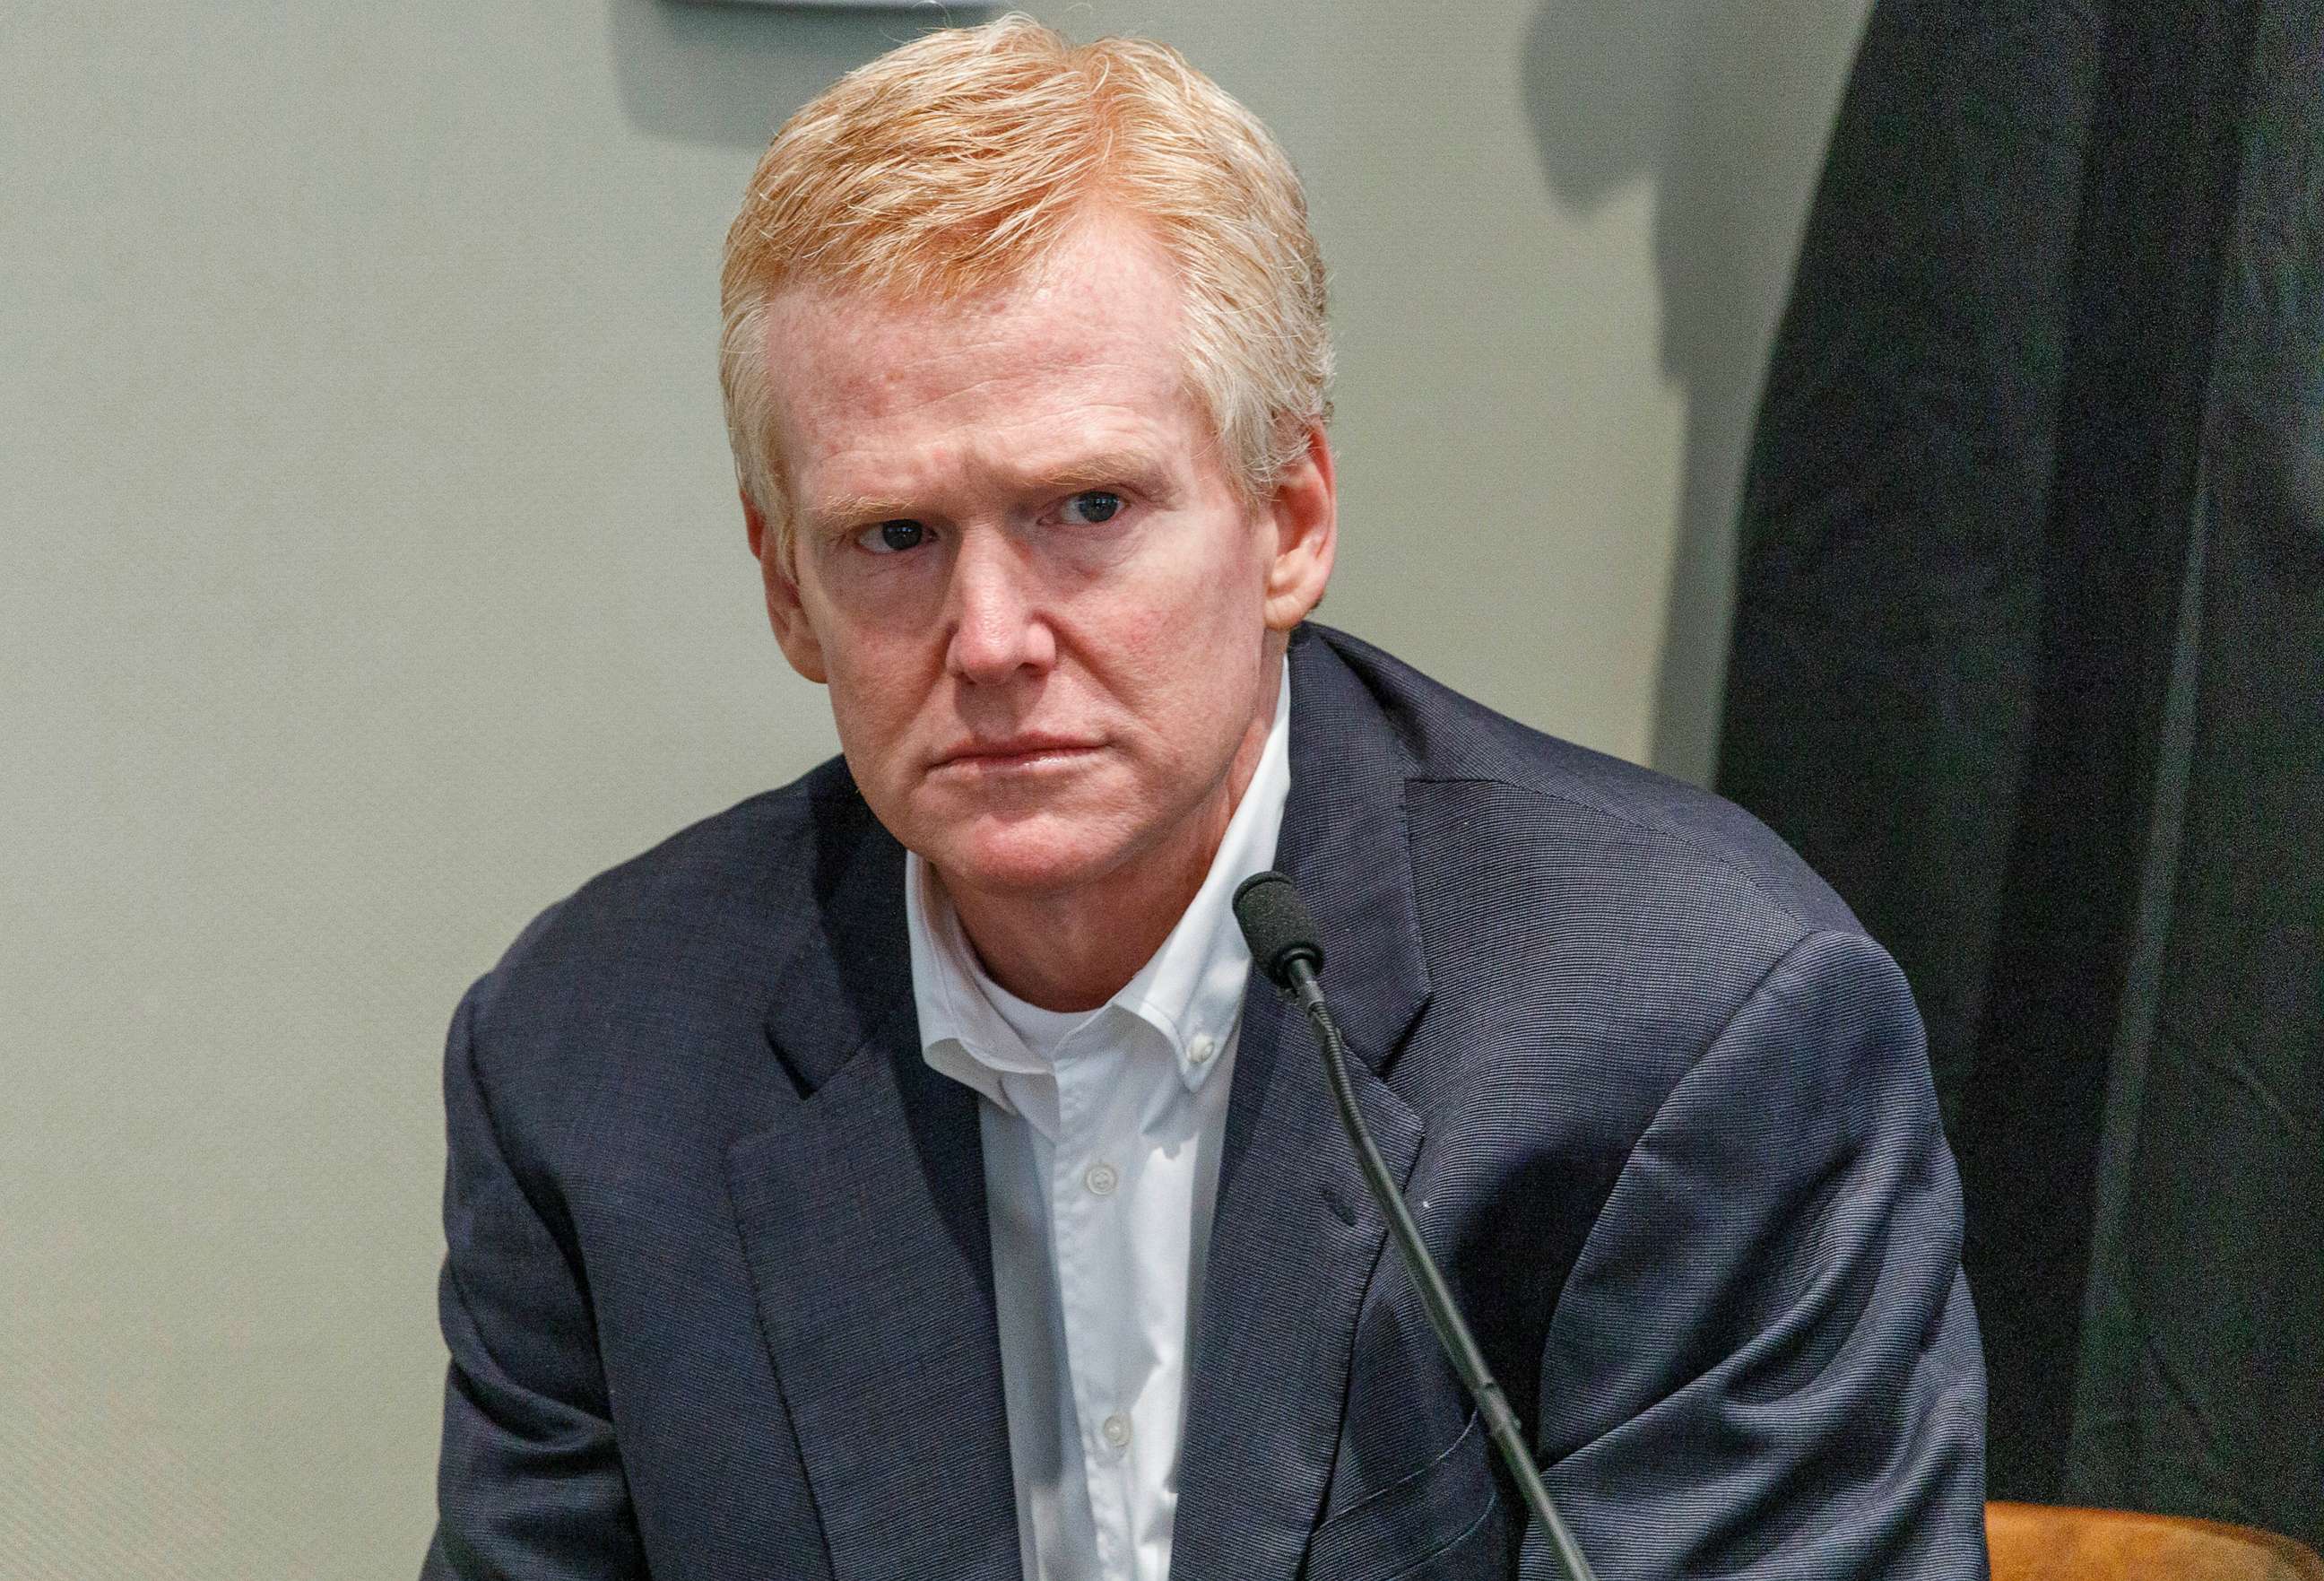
x: 1087, y: 1251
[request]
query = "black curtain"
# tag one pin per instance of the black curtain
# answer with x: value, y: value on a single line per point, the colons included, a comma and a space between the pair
x: 2028, y: 660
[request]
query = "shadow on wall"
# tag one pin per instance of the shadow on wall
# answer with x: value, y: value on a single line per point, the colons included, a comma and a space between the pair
x: 1725, y: 110
x: 731, y: 74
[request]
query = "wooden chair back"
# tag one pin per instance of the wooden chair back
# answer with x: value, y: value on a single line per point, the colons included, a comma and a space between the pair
x: 2050, y: 1542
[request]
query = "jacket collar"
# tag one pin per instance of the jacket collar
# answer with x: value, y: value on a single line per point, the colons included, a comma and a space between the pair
x: 1344, y: 844
x: 1297, y: 1237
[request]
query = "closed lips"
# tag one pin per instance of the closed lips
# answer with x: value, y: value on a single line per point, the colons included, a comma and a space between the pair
x: 997, y: 753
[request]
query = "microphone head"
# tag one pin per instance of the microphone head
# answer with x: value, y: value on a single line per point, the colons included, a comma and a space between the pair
x: 1275, y: 925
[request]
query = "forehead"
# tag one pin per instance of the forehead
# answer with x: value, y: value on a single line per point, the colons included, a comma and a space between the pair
x: 1096, y: 325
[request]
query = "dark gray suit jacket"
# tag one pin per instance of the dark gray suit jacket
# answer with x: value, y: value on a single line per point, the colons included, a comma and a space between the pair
x: 719, y: 1294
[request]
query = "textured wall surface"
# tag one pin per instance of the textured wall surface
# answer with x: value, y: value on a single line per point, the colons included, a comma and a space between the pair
x: 373, y: 576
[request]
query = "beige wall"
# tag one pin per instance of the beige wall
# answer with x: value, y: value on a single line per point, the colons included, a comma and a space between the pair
x: 372, y: 576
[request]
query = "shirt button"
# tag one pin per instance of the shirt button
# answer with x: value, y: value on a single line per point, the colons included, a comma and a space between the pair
x: 1102, y: 1179
x: 1117, y: 1431
x: 1201, y: 1049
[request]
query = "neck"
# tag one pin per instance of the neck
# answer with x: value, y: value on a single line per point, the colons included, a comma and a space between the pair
x: 1074, y: 949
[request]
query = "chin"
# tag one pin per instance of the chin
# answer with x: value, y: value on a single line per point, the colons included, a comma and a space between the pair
x: 1024, y: 860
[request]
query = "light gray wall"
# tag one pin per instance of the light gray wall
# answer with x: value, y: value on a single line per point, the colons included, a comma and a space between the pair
x: 372, y: 577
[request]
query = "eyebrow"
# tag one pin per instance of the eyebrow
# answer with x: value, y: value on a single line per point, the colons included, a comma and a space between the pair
x: 1136, y: 469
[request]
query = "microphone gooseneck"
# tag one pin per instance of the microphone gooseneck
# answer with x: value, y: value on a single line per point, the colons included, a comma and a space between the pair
x: 1284, y: 946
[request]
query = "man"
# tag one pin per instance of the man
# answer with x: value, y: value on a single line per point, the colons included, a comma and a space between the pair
x: 899, y: 1175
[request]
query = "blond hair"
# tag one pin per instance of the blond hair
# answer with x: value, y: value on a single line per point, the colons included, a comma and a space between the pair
x: 957, y: 163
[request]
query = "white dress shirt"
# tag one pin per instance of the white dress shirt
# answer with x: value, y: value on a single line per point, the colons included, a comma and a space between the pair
x: 1101, y: 1132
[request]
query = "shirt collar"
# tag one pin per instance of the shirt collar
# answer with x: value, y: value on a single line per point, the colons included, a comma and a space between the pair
x: 1190, y: 990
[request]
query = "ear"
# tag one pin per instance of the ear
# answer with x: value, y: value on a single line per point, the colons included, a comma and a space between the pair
x: 794, y: 633
x: 1306, y: 511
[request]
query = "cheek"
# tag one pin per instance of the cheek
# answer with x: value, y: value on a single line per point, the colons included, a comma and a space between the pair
x: 872, y: 635
x: 1210, y: 590
x: 873, y: 694
x: 1184, y: 665
x: 1155, y: 649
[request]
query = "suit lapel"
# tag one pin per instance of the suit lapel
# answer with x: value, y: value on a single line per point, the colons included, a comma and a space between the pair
x: 862, y: 1218
x: 1297, y: 1239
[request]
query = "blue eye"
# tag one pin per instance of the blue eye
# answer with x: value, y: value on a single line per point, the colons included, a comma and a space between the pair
x: 892, y: 536
x: 1095, y: 505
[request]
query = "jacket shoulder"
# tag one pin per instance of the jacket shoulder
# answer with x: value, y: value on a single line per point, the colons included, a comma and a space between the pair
x: 686, y: 934
x: 1675, y: 840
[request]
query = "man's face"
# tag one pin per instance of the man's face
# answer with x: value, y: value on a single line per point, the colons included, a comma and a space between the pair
x: 1048, y: 620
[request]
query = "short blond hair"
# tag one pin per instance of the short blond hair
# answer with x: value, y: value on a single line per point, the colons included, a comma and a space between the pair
x: 957, y: 163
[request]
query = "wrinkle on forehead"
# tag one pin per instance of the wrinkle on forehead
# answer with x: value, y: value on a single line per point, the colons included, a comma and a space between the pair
x: 1089, y: 319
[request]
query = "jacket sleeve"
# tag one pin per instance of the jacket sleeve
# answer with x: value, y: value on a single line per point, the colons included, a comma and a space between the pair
x: 1764, y: 1362
x: 530, y: 1486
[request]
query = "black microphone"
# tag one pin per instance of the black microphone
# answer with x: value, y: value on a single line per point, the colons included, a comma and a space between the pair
x: 1283, y: 945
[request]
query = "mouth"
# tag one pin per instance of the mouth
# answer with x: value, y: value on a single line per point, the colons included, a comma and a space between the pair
x: 1020, y: 753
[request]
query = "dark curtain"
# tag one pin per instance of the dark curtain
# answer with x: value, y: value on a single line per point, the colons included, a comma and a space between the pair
x: 2028, y: 660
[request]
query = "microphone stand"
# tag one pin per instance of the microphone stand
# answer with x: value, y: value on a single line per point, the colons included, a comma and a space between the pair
x: 1291, y: 962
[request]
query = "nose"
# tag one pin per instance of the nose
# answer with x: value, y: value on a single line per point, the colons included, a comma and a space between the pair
x: 998, y: 630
